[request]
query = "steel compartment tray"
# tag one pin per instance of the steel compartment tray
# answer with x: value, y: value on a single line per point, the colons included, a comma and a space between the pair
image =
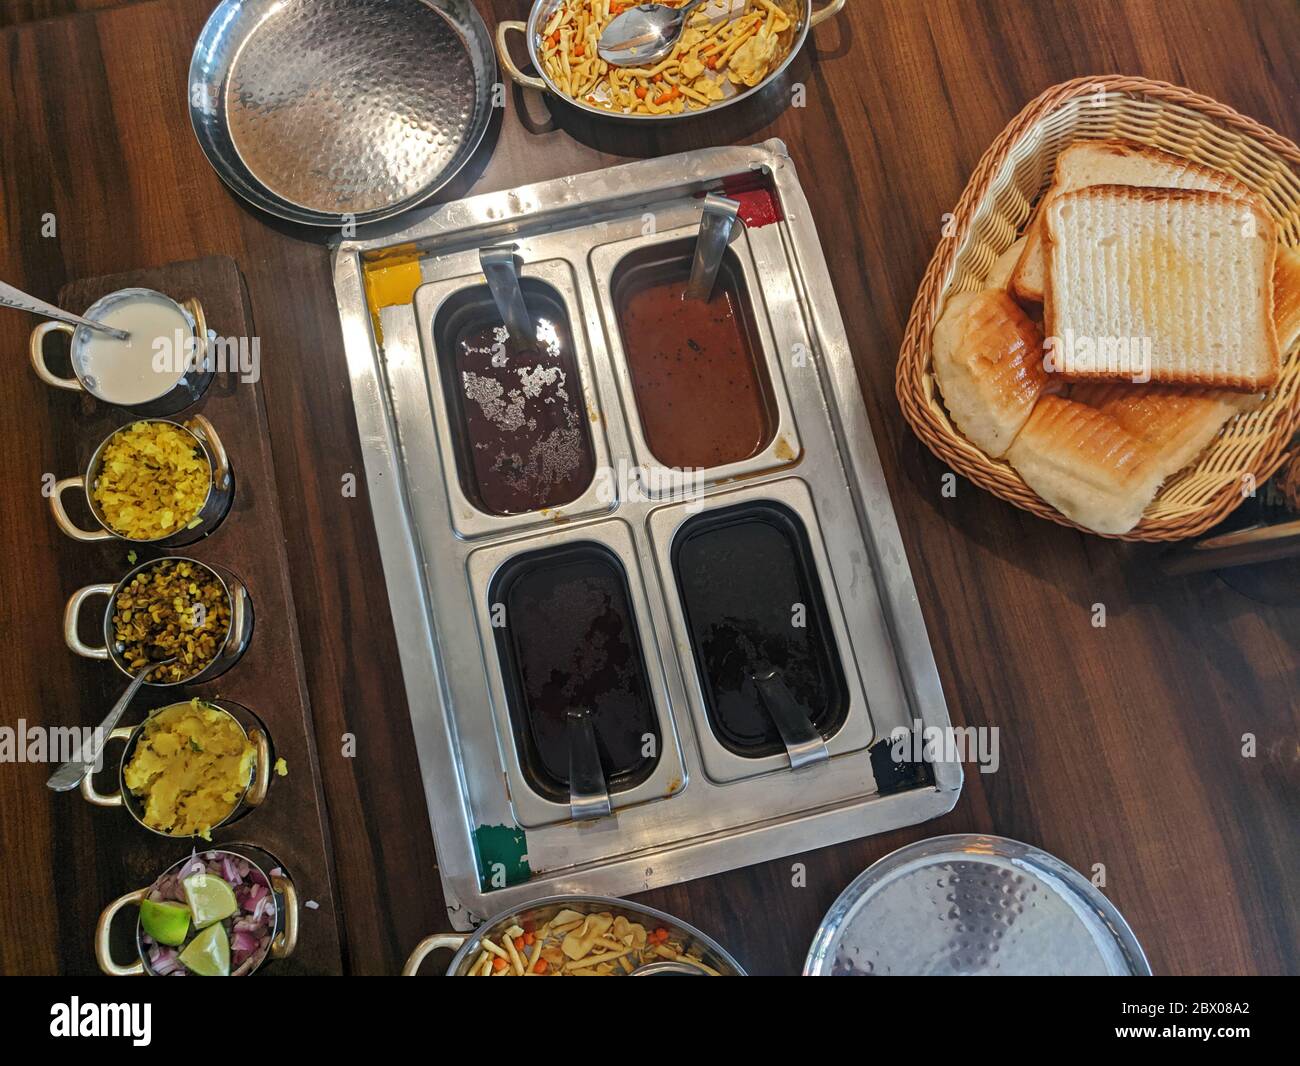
x: 436, y: 570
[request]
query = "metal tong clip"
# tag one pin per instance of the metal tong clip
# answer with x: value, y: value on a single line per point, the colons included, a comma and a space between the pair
x: 588, y: 791
x: 715, y: 231
x: 803, y: 743
x: 501, y: 268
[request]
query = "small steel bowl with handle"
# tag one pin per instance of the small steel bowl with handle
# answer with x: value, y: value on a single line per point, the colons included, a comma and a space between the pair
x: 221, y: 490
x: 265, y: 869
x: 802, y: 15
x: 251, y: 796
x: 238, y: 634
x: 187, y: 389
x: 467, y: 946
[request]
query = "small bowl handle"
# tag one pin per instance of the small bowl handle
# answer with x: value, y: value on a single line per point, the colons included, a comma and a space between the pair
x: 88, y: 791
x: 203, y: 429
x: 830, y: 10
x: 503, y: 52
x: 61, y: 518
x: 256, y: 794
x: 72, y: 616
x: 430, y: 944
x: 195, y: 308
x: 103, y: 953
x: 283, y: 945
x: 37, y: 348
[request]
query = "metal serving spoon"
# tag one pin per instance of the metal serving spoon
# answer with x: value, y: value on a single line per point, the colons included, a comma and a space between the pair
x: 11, y: 297
x: 643, y: 35
x: 69, y: 775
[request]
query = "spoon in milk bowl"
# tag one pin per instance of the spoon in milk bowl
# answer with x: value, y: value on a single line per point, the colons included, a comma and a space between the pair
x: 11, y: 297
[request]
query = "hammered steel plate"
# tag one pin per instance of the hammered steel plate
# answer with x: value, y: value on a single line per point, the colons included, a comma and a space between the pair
x: 332, y: 111
x: 969, y: 905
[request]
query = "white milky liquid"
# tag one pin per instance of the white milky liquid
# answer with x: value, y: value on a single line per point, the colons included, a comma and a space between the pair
x: 143, y: 368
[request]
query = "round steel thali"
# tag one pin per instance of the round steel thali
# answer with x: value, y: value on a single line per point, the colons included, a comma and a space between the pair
x: 969, y: 905
x: 332, y: 111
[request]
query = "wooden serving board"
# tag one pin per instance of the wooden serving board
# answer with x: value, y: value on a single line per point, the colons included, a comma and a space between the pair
x: 107, y: 852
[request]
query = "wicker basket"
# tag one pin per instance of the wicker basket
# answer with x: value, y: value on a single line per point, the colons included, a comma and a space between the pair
x: 995, y: 206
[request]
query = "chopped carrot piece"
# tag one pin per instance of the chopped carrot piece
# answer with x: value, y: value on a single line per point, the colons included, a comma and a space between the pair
x: 539, y: 966
x: 498, y: 963
x: 657, y: 78
x: 553, y: 39
x: 580, y: 50
x: 663, y: 98
x: 519, y: 943
x: 641, y: 91
x: 711, y: 62
x: 529, y: 937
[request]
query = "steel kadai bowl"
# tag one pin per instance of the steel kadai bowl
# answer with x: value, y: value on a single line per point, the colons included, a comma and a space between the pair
x: 469, y: 946
x: 804, y: 16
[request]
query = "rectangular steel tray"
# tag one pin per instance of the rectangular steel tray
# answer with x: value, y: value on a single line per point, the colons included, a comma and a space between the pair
x: 705, y: 810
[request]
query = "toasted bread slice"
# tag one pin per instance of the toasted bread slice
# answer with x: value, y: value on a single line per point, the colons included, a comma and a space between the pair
x: 1176, y: 422
x: 1086, y: 465
x: 1286, y: 297
x: 1000, y: 272
x: 1176, y: 284
x: 988, y: 360
x: 1110, y: 162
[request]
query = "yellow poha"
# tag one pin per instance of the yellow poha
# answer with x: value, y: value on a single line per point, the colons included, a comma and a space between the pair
x: 152, y: 482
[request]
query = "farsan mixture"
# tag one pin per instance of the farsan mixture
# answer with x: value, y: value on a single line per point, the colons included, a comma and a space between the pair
x: 174, y: 608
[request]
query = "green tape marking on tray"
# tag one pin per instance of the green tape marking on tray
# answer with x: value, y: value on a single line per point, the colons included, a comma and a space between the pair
x: 502, y: 856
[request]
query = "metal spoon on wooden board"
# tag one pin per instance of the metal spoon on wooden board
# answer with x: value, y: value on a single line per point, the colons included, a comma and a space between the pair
x: 643, y: 35
x: 11, y: 297
x: 69, y: 775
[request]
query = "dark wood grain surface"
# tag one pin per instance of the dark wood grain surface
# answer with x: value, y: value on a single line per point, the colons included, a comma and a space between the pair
x: 1120, y: 746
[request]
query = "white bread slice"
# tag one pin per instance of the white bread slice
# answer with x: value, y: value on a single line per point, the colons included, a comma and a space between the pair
x: 1109, y: 162
x: 1000, y: 272
x: 1176, y: 422
x: 988, y: 360
x: 1286, y: 297
x: 1182, y: 278
x: 1086, y: 465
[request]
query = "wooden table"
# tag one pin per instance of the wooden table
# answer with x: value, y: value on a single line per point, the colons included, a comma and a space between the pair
x: 1120, y: 747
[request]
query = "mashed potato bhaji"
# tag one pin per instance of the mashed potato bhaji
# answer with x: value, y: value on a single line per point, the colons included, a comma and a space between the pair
x: 190, y: 768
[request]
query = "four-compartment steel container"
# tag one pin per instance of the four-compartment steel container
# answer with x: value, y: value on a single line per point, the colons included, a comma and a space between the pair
x: 704, y: 806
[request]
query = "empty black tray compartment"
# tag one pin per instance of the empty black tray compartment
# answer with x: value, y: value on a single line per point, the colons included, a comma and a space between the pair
x: 570, y: 639
x: 740, y: 572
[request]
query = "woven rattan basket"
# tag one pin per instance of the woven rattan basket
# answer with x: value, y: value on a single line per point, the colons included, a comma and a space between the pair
x: 993, y: 210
